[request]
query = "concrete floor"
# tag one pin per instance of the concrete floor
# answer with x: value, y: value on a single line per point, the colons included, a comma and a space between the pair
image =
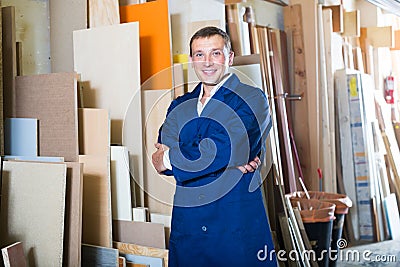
x: 386, y: 253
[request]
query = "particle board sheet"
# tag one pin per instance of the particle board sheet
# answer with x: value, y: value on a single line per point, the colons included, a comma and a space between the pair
x: 113, y: 82
x: 159, y: 188
x: 73, y: 215
x: 52, y: 99
x: 94, y: 131
x: 142, y: 250
x: 103, y: 13
x: 13, y: 255
x: 140, y: 233
x: 120, y: 184
x: 184, y: 13
x: 99, y: 256
x: 33, y: 209
x: 9, y: 60
x: 21, y: 137
x: 96, y: 206
x: 65, y: 17
x: 155, y: 42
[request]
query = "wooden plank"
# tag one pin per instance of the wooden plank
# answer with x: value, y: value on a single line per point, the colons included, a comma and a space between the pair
x: 392, y: 216
x: 9, y: 60
x: 103, y: 13
x: 351, y: 24
x: 159, y: 189
x: 99, y: 81
x: 300, y: 19
x: 38, y: 216
x: 21, y: 137
x: 19, y: 59
x: 155, y: 42
x: 121, y: 203
x: 99, y: 256
x: 65, y: 17
x: 146, y: 260
x: 141, y: 214
x: 94, y: 131
x: 13, y: 255
x: 140, y: 233
x: 396, y: 128
x: 73, y: 215
x: 96, y: 213
x: 396, y: 40
x: 337, y: 17
x: 52, y: 99
x: 380, y: 36
x: 142, y: 250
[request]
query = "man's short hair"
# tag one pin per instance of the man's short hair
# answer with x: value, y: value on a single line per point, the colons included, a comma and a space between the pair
x: 208, y: 32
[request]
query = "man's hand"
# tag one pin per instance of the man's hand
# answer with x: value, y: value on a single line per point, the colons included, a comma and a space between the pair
x: 158, y: 157
x: 251, y: 166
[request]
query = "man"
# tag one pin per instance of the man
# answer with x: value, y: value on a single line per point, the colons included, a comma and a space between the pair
x: 211, y: 141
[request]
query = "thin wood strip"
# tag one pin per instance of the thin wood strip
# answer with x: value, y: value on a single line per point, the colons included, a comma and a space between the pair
x: 142, y: 250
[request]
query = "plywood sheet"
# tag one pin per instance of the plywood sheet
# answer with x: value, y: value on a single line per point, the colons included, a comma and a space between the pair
x: 9, y: 60
x: 73, y: 215
x: 13, y: 255
x: 120, y: 184
x: 94, y: 131
x: 111, y: 83
x: 21, y: 137
x: 65, y: 17
x: 52, y: 99
x: 33, y: 209
x: 103, y: 13
x: 159, y: 188
x: 380, y: 36
x: 155, y: 42
x: 142, y: 250
x: 99, y: 256
x: 351, y: 23
x: 140, y: 233
x: 337, y: 17
x: 96, y: 213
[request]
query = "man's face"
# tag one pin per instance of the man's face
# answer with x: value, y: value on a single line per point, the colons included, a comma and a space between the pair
x: 210, y: 59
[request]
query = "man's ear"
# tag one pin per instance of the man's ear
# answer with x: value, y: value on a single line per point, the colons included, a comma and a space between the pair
x: 231, y: 56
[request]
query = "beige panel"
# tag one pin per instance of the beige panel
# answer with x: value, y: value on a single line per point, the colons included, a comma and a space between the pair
x: 94, y: 131
x: 52, y: 99
x: 73, y: 215
x: 65, y: 17
x: 351, y: 23
x: 159, y: 188
x: 103, y: 12
x: 32, y: 209
x: 110, y: 73
x: 96, y: 213
x: 381, y: 36
x: 140, y: 233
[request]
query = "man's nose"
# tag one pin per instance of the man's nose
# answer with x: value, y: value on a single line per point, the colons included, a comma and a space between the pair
x: 208, y: 60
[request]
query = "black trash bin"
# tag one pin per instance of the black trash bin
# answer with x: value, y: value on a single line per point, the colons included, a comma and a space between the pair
x: 343, y: 203
x: 317, y: 217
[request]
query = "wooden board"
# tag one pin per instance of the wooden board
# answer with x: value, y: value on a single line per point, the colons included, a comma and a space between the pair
x: 9, y: 60
x: 73, y: 215
x: 155, y: 42
x: 121, y: 203
x: 142, y: 250
x: 99, y: 256
x: 52, y: 99
x: 21, y: 137
x: 94, y: 131
x: 140, y: 233
x: 40, y: 159
x: 159, y: 188
x: 337, y: 17
x: 37, y: 218
x: 103, y: 85
x: 1, y: 90
x: 13, y: 255
x: 103, y: 13
x: 396, y: 40
x: 351, y: 23
x: 380, y: 36
x: 145, y: 260
x: 96, y: 213
x: 65, y: 17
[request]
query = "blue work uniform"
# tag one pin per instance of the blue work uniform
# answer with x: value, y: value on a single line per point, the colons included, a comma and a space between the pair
x: 218, y: 217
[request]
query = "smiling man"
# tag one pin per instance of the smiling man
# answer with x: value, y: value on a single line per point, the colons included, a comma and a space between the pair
x: 211, y: 142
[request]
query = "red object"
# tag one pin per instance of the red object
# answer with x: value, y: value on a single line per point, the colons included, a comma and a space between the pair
x: 389, y: 89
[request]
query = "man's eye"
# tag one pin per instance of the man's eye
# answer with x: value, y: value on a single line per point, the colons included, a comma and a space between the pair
x: 198, y: 55
x: 217, y: 53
